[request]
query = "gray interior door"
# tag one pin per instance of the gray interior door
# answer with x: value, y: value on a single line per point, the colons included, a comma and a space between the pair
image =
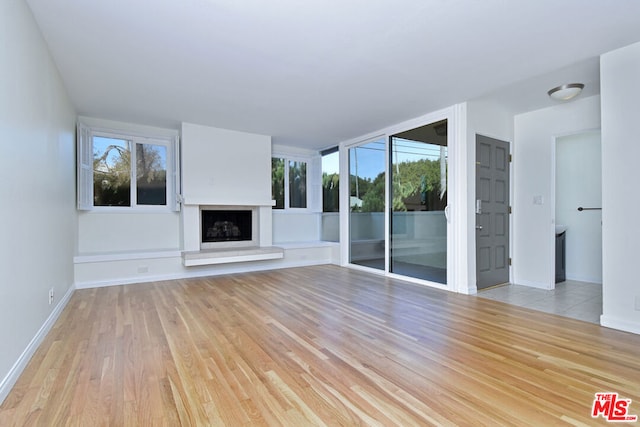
x: 492, y: 211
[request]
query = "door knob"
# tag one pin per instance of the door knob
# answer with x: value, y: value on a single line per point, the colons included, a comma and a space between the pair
x: 478, y: 227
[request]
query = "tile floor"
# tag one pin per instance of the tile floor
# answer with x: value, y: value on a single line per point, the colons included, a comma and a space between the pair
x: 578, y: 300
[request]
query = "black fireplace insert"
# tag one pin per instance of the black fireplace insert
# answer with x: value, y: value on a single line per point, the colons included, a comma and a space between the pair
x: 226, y: 225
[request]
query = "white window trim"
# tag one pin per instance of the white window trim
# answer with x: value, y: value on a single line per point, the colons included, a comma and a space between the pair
x: 85, y: 134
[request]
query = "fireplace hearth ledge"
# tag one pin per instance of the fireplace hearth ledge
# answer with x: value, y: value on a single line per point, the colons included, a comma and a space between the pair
x: 230, y: 255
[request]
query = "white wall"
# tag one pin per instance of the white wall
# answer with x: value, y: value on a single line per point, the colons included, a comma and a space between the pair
x: 533, y: 228
x: 620, y: 88
x: 37, y: 127
x: 295, y: 227
x: 492, y: 120
x: 221, y: 166
x: 579, y: 183
x: 100, y: 232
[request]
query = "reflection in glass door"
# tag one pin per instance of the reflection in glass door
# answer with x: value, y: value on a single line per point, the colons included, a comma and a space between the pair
x: 366, y: 204
x: 418, y: 183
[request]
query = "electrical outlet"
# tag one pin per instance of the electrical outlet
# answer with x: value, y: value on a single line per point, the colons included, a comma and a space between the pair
x: 143, y: 269
x: 637, y: 306
x: 51, y: 294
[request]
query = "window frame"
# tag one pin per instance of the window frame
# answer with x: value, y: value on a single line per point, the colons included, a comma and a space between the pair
x: 85, y: 135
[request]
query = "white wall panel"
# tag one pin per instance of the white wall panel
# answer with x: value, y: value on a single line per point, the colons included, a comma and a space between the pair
x: 126, y: 232
x: 620, y: 87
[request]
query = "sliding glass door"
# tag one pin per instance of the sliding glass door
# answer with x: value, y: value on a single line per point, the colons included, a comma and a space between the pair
x: 367, y: 179
x: 418, y: 183
x: 398, y: 203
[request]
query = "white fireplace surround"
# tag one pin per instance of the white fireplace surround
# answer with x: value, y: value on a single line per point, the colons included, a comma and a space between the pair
x: 217, y: 181
x: 255, y: 228
x: 192, y: 226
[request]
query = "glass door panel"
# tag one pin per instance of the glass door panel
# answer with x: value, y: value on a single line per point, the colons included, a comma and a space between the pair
x: 367, y: 204
x: 418, y: 183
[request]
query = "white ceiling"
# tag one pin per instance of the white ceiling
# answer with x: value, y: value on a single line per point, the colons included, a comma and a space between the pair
x: 315, y: 72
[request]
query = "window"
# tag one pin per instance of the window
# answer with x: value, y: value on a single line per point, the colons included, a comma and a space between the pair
x: 330, y: 219
x: 125, y: 171
x: 277, y: 182
x: 289, y: 183
x: 330, y: 181
x: 297, y: 184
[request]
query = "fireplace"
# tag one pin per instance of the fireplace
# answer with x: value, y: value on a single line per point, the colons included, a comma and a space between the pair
x: 227, y: 228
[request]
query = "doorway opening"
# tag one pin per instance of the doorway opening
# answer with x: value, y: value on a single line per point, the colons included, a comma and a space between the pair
x: 578, y: 205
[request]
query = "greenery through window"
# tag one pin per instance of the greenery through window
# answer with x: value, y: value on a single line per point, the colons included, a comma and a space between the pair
x: 367, y: 177
x: 288, y: 183
x: 419, y: 176
x: 418, y: 185
x: 113, y: 171
x: 297, y: 184
x: 151, y: 174
x: 277, y: 182
x: 330, y: 183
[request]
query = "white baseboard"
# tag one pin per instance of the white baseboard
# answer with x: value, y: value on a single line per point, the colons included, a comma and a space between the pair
x: 470, y: 290
x: 584, y: 279
x: 622, y: 325
x: 531, y: 284
x: 14, y: 373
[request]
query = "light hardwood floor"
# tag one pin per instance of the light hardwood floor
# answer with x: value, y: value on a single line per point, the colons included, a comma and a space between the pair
x: 315, y: 346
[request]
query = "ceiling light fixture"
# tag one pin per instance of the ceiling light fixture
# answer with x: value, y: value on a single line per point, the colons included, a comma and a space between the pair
x: 566, y: 92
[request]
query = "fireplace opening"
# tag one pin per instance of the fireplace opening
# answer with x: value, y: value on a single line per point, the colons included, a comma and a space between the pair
x: 226, y: 225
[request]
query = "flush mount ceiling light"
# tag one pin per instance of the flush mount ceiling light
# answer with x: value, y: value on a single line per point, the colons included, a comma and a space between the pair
x: 566, y: 92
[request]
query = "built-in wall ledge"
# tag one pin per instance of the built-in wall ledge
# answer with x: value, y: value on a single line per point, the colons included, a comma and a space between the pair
x: 225, y: 256
x: 124, y: 256
x: 201, y: 201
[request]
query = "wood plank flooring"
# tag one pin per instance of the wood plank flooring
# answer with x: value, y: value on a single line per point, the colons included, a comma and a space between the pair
x: 315, y: 346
